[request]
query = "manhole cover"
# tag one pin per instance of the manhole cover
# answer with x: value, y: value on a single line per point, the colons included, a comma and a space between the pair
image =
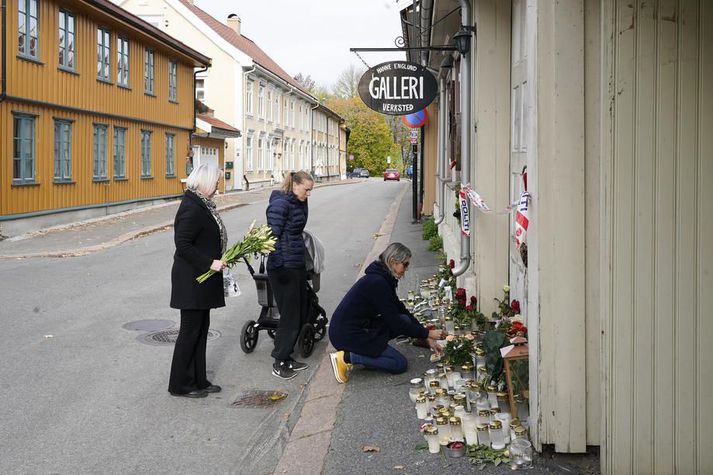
x: 168, y: 337
x: 148, y: 325
x: 258, y: 398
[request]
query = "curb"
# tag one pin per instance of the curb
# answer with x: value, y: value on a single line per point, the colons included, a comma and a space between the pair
x: 312, y: 433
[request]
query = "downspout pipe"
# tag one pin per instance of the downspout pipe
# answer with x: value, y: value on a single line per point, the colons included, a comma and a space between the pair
x: 441, y: 168
x: 3, y: 88
x: 465, y: 89
x: 426, y: 12
x: 195, y: 109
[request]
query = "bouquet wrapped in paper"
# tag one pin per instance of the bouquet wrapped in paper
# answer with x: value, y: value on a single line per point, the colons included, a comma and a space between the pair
x: 258, y: 240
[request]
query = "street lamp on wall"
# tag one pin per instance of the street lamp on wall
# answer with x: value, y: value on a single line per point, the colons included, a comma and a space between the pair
x: 462, y: 39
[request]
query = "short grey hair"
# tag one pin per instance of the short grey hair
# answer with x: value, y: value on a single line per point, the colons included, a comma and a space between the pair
x: 204, y: 179
x: 398, y: 251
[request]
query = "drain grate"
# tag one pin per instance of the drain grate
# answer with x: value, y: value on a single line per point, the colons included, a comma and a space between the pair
x: 168, y: 337
x: 259, y: 398
x: 148, y: 325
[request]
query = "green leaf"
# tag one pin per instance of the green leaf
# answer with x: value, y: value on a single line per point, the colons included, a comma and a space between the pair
x: 497, y: 462
x: 421, y: 446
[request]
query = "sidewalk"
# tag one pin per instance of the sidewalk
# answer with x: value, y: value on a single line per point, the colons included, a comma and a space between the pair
x: 93, y: 235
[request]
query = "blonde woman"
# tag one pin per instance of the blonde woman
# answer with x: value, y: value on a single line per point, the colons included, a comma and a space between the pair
x: 287, y: 217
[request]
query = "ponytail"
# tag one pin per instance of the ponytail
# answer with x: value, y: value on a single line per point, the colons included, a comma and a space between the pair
x: 295, y: 177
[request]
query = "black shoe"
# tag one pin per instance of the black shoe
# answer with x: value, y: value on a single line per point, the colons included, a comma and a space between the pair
x: 193, y: 394
x: 213, y: 388
x: 297, y: 365
x: 282, y: 370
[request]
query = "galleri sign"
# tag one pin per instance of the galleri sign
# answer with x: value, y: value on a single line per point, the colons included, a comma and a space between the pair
x: 397, y: 88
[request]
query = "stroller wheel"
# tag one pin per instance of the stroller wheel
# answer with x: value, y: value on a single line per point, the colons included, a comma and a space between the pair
x: 248, y: 336
x: 305, y: 340
x: 320, y: 328
x: 271, y: 333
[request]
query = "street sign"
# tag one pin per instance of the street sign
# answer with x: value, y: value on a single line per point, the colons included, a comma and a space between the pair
x: 397, y: 87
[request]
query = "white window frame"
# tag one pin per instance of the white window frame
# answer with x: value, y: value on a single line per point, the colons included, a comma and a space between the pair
x: 249, y: 99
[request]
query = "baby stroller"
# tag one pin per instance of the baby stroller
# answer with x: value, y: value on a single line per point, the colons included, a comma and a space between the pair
x: 314, y: 324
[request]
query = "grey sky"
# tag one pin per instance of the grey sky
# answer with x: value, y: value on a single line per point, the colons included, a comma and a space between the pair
x: 314, y: 36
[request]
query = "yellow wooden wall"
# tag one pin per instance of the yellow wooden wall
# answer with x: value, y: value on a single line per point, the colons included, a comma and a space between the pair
x: 42, y: 89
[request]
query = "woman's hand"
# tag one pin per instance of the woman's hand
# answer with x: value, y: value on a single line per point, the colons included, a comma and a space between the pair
x: 217, y: 265
x: 436, y: 334
x: 435, y: 347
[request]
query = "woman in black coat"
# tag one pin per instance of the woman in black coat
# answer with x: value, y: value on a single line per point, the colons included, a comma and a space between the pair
x: 201, y: 239
x: 371, y: 314
x: 286, y: 267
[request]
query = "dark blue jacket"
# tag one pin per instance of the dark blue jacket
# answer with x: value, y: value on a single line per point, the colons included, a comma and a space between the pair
x: 370, y: 315
x: 287, y: 217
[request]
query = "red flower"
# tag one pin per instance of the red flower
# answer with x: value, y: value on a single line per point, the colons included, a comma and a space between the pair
x: 515, y: 306
x: 460, y: 293
x: 452, y: 264
x: 473, y: 300
x: 469, y: 308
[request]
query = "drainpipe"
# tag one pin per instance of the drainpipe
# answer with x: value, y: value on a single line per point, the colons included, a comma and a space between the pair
x: 465, y: 85
x: 446, y: 65
x: 3, y: 88
x: 426, y: 11
x: 311, y: 139
x: 190, y: 136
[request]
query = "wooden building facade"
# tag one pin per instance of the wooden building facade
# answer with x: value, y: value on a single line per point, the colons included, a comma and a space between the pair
x: 96, y: 112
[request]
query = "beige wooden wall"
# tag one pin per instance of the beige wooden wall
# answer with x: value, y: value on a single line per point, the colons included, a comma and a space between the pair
x: 430, y: 159
x: 657, y: 261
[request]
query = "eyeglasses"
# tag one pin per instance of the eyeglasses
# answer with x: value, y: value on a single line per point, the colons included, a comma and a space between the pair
x: 406, y: 264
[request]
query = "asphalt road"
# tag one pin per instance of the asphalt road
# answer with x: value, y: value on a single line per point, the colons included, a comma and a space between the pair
x: 81, y: 393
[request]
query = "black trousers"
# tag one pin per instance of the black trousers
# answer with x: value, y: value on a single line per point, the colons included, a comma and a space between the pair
x: 288, y: 287
x: 188, y: 371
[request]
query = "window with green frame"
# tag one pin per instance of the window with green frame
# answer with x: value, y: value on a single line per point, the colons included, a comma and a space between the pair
x: 66, y: 40
x: 145, y: 154
x: 173, y: 81
x: 170, y: 155
x: 103, y: 54
x: 28, y: 28
x: 62, y: 150
x: 100, y: 145
x: 23, y: 149
x: 148, y: 71
x: 119, y: 152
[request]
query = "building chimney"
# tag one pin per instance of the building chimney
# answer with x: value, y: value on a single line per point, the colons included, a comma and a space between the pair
x: 234, y: 22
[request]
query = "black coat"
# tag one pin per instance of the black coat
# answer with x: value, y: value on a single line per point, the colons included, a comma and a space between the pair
x: 197, y: 239
x: 287, y: 218
x: 369, y: 315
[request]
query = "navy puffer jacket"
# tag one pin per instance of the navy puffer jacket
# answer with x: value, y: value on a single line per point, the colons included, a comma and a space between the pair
x: 370, y: 315
x: 287, y: 217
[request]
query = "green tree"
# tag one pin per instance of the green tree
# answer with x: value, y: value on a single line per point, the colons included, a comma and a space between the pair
x: 371, y: 140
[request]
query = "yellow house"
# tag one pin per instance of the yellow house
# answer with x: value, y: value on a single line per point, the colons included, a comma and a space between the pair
x: 96, y: 112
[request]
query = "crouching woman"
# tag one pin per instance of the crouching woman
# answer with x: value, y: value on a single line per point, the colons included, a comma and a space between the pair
x: 371, y: 314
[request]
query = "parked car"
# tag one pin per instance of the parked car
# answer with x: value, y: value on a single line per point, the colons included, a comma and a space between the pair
x: 392, y: 174
x: 357, y: 173
x: 364, y: 173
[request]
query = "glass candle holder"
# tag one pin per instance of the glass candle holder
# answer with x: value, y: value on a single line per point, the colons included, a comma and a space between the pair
x: 482, y: 375
x: 415, y: 387
x: 443, y: 380
x: 479, y: 357
x: 459, y: 399
x: 431, y: 435
x: 451, y: 377
x: 456, y: 429
x: 431, y: 402
x: 520, y: 432
x: 521, y: 454
x: 503, y: 401
x: 428, y: 376
x: 470, y: 434
x: 421, y: 407
x: 492, y: 395
x: 456, y: 330
x: 458, y: 384
x: 484, y: 417
x: 444, y: 430
x: 449, y: 325
x: 442, y: 397
x: 514, y: 423
x: 495, y: 430
x: 483, y: 435
x: 433, y: 386
x: 504, y: 418
x: 467, y: 371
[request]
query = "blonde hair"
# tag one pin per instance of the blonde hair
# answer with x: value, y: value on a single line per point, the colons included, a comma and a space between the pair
x: 295, y: 177
x: 204, y: 179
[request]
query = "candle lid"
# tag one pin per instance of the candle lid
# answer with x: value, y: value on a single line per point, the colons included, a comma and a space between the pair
x: 441, y: 421
x: 454, y: 421
x: 494, y: 410
x: 434, y: 384
x: 519, y: 430
x: 484, y: 413
x: 502, y: 395
x: 491, y: 388
x: 431, y: 397
x: 420, y: 399
x: 431, y: 430
x: 416, y: 381
x: 479, y: 352
x: 515, y: 423
x: 482, y: 428
x: 496, y: 425
x: 467, y: 367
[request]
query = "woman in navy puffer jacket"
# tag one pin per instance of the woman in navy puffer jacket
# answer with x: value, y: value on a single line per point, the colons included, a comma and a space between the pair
x: 287, y: 217
x: 371, y: 314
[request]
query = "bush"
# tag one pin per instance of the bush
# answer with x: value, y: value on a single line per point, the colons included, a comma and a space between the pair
x: 436, y: 243
x: 429, y: 229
